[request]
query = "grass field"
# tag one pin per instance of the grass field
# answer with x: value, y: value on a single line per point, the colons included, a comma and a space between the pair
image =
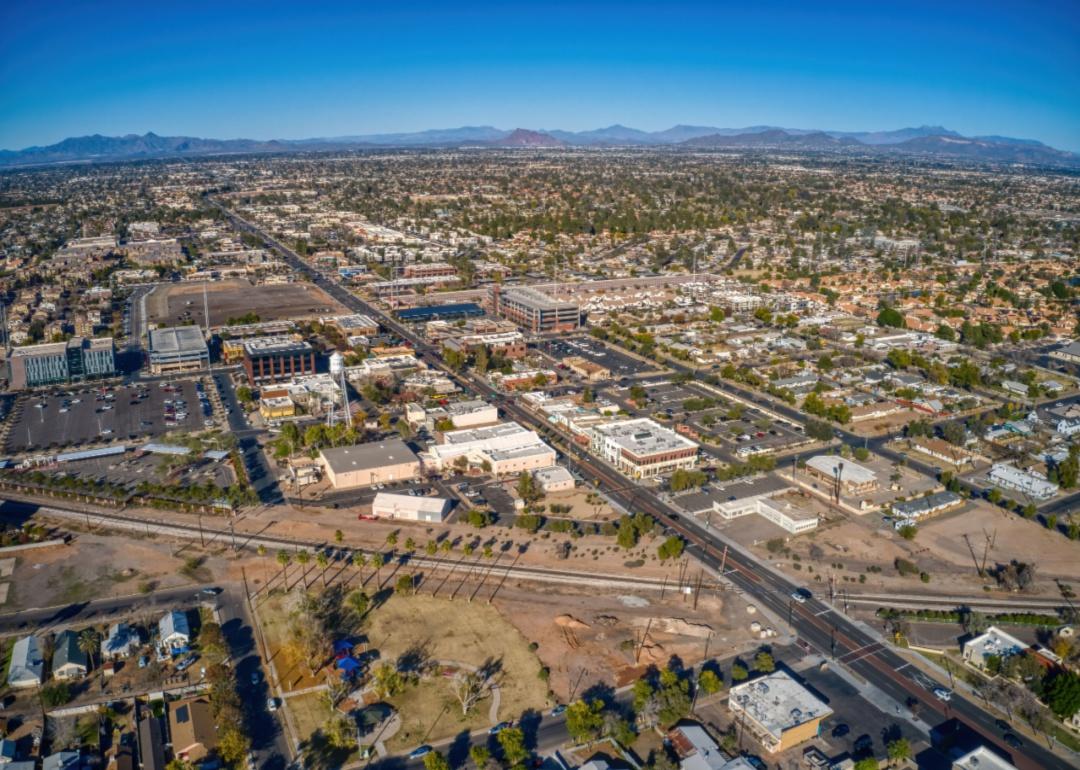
x: 453, y: 631
x: 274, y: 619
x: 309, y: 713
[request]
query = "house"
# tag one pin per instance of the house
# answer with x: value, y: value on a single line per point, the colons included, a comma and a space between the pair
x: 122, y: 641
x: 61, y: 760
x: 27, y: 666
x: 191, y: 729
x: 696, y: 750
x: 174, y: 634
x: 69, y: 661
x: 1031, y: 484
x: 151, y: 744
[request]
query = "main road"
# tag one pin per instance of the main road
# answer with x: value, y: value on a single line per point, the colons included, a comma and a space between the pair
x: 858, y: 648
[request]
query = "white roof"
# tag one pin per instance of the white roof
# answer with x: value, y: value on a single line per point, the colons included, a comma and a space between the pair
x: 643, y: 437
x: 27, y: 665
x: 982, y: 758
x: 396, y: 505
x: 778, y: 703
x: 994, y: 641
x: 851, y: 471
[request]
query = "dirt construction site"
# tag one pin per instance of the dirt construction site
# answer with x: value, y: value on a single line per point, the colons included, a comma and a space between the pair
x: 183, y: 302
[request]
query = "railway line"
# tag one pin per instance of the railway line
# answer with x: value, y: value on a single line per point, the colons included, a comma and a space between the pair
x: 855, y: 645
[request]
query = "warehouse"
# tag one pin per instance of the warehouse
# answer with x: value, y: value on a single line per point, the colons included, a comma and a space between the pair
x: 854, y: 478
x: 178, y: 349
x: 388, y: 505
x: 377, y: 462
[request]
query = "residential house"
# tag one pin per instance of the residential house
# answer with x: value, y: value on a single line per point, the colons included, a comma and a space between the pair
x: 191, y: 729
x: 122, y: 641
x: 27, y: 665
x: 69, y: 662
x: 174, y: 633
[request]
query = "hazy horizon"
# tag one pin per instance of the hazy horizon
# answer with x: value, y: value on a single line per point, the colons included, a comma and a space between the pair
x: 260, y: 71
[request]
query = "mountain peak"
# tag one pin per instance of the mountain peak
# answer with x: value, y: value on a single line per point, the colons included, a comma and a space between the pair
x: 524, y: 137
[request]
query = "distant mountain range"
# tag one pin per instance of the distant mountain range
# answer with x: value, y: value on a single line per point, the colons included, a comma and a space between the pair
x: 925, y: 141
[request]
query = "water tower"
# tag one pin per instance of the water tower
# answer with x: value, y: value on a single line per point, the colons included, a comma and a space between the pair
x: 337, y: 372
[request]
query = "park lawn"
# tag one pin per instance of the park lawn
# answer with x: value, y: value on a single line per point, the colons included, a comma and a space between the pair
x: 273, y: 612
x: 455, y: 631
x: 309, y: 712
x: 429, y: 713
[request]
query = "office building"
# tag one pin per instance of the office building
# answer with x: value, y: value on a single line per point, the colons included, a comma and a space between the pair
x: 854, y: 478
x: 643, y: 448
x: 533, y: 310
x: 77, y: 360
x: 993, y: 642
x: 377, y: 462
x: 777, y: 711
x: 178, y: 349
x: 277, y: 358
x: 502, y: 449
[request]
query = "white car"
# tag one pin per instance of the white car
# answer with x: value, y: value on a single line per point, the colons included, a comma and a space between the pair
x: 942, y: 694
x: 798, y: 597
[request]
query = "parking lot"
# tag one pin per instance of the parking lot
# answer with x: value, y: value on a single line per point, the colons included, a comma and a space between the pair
x: 619, y: 364
x: 130, y: 468
x: 92, y: 415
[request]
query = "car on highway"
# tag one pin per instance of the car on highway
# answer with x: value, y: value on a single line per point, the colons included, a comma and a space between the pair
x: 500, y: 727
x: 800, y: 595
x: 419, y: 751
x: 1003, y: 725
x: 1012, y: 740
x: 943, y: 694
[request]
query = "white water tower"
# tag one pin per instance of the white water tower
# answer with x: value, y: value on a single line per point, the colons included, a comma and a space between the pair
x: 337, y: 372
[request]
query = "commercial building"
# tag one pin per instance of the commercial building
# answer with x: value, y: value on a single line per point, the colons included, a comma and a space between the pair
x: 590, y: 371
x: 388, y: 505
x: 273, y: 359
x: 276, y: 408
x: 554, y: 479
x: 56, y: 363
x: 1031, y: 484
x: 533, y: 310
x: 506, y: 344
x: 643, y: 448
x: 760, y: 497
x: 433, y: 312
x: 429, y: 270
x: 854, y: 478
x: 502, y: 449
x: 353, y: 325
x: 178, y: 349
x: 377, y: 462
x: 982, y: 758
x: 462, y: 414
x: 992, y: 643
x: 27, y: 665
x: 777, y: 711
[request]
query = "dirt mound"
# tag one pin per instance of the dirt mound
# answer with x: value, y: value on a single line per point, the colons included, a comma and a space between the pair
x: 675, y: 626
x: 569, y: 621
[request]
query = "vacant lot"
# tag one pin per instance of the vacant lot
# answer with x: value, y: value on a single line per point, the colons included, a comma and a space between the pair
x: 183, y: 302
x: 292, y: 672
x: 441, y: 630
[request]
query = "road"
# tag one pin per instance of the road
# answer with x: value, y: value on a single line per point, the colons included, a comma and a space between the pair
x: 856, y: 647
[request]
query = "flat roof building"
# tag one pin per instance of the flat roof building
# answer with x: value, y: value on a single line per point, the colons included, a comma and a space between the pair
x: 921, y: 507
x: 432, y: 312
x: 534, y: 310
x: 178, y: 349
x: 506, y: 447
x: 643, y: 448
x: 778, y: 711
x: 377, y: 462
x: 277, y: 358
x: 411, y: 508
x: 1012, y: 478
x: 76, y: 360
x: 854, y: 478
x: 992, y: 642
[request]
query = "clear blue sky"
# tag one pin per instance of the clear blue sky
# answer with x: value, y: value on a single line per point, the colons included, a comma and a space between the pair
x: 292, y: 70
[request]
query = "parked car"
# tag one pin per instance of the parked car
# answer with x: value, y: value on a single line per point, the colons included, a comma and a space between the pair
x: 419, y: 751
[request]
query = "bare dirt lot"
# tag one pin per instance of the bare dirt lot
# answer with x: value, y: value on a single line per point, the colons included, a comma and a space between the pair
x: 169, y: 305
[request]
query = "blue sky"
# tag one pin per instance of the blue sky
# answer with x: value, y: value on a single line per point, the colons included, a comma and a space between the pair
x: 294, y: 70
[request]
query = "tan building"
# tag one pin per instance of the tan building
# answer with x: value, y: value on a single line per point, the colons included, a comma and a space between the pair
x: 778, y: 711
x: 191, y: 729
x: 276, y: 407
x: 590, y: 371
x: 377, y: 462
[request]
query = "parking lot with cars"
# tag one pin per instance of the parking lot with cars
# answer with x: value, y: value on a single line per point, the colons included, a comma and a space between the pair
x: 73, y: 417
x: 618, y: 363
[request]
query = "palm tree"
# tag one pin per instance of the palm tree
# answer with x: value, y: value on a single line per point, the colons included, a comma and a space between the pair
x: 391, y: 539
x: 89, y: 643
x: 377, y: 561
x: 359, y: 561
x: 302, y: 558
x: 339, y: 536
x: 283, y: 559
x: 323, y: 561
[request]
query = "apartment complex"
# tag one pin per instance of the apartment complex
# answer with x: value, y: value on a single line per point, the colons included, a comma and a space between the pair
x: 178, y: 349
x: 273, y: 359
x: 57, y: 363
x: 533, y: 310
x: 643, y: 448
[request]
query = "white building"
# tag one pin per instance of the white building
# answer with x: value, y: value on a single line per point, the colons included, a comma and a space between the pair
x: 554, y: 479
x: 507, y: 447
x: 982, y: 758
x: 993, y: 641
x: 1031, y: 484
x: 27, y: 664
x: 388, y: 505
x: 783, y: 514
x: 643, y: 448
x: 777, y: 710
x: 174, y: 633
x: 121, y: 642
x: 854, y: 478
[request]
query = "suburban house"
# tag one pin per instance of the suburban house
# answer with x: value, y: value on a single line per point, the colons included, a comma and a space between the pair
x: 27, y: 666
x: 121, y: 642
x: 696, y: 750
x: 174, y: 634
x: 191, y: 729
x: 69, y: 662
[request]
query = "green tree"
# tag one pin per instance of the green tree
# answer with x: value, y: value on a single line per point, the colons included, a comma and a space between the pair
x: 709, y: 681
x: 512, y: 743
x: 671, y: 548
x: 435, y: 761
x: 892, y: 318
x: 388, y: 681
x: 244, y: 395
x: 479, y: 755
x: 738, y: 672
x: 764, y: 663
x: 898, y: 750
x: 585, y: 720
x: 1063, y: 694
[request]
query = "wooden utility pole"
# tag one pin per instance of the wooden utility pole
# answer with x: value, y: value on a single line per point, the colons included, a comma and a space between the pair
x: 974, y: 558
